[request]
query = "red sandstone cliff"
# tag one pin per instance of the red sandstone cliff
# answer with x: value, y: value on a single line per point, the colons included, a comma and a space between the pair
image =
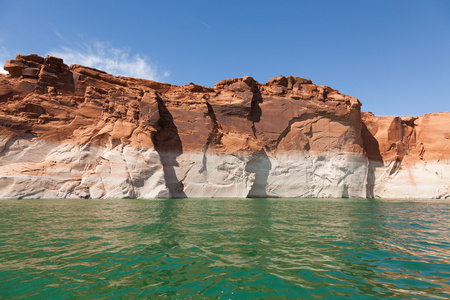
x: 287, y: 137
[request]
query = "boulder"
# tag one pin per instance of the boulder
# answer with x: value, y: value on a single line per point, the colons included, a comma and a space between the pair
x: 15, y: 67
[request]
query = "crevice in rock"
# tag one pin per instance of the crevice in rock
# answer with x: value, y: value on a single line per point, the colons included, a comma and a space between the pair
x: 216, y: 134
x: 186, y: 175
x: 214, y: 138
x: 396, y: 166
x: 32, y: 194
x: 254, y: 130
x: 101, y: 179
x: 286, y: 131
x: 301, y: 117
x: 130, y: 178
x: 408, y: 137
x: 168, y: 145
x: 255, y: 110
x: 81, y: 194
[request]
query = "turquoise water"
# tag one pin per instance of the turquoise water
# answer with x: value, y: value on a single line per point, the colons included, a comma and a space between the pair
x: 224, y: 249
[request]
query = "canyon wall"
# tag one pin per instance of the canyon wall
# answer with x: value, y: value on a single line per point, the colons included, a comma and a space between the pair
x: 78, y: 132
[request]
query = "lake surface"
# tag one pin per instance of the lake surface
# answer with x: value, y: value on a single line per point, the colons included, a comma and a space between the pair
x: 224, y: 249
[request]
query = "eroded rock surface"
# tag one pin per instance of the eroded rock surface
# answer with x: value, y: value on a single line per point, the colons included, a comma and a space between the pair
x: 409, y: 157
x: 80, y: 132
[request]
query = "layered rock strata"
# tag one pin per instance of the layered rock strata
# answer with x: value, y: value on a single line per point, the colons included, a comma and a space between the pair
x: 77, y: 132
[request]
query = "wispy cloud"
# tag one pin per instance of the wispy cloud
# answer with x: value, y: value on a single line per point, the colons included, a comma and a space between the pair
x: 201, y: 22
x: 104, y: 57
x: 4, y: 55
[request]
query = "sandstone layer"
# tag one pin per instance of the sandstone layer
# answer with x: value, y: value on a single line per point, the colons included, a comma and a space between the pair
x: 78, y: 132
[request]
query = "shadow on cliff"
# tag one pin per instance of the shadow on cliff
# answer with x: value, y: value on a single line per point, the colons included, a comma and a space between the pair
x: 168, y: 145
x: 255, y: 109
x: 374, y: 157
x: 260, y: 165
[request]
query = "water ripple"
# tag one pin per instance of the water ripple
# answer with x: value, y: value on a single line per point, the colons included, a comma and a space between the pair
x: 224, y: 249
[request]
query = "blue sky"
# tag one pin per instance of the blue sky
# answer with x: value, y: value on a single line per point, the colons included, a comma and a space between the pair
x: 392, y: 55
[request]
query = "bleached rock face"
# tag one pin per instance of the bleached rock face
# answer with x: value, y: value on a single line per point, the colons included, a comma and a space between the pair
x: 77, y: 132
x: 421, y: 180
x: 212, y: 176
x: 337, y: 175
x: 294, y: 174
x: 71, y: 171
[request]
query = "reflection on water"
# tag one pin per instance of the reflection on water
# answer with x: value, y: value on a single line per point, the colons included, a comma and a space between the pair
x: 227, y: 249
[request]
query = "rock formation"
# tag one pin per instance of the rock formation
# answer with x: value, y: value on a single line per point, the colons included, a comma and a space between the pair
x: 78, y: 132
